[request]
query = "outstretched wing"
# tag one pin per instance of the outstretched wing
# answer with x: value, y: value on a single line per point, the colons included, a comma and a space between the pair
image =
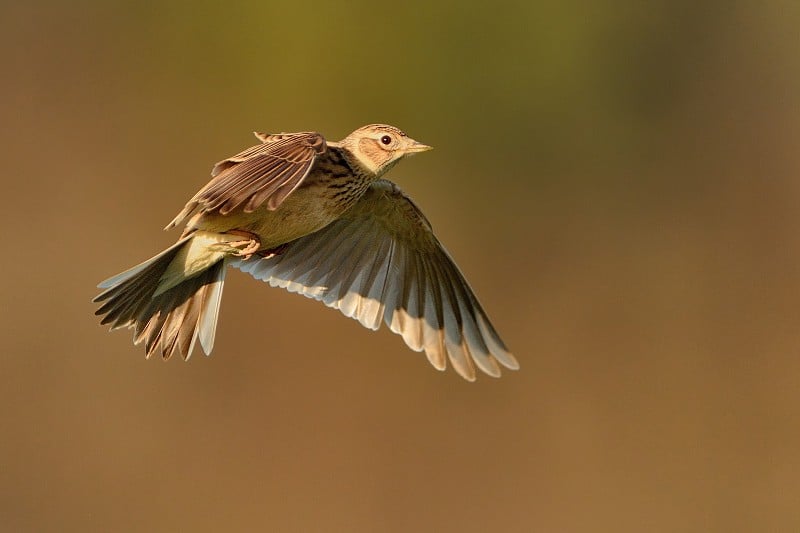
x: 267, y: 172
x: 381, y: 262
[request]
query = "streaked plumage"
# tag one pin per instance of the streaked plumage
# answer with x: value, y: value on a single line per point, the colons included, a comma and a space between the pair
x: 324, y: 225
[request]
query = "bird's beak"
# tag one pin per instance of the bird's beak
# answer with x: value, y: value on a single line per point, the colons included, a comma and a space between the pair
x: 417, y: 147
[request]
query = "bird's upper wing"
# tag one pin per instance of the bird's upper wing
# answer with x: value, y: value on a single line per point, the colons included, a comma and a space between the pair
x: 381, y: 262
x: 267, y: 172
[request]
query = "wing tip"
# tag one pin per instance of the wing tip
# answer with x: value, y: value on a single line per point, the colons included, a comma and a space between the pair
x: 472, y: 378
x: 507, y: 360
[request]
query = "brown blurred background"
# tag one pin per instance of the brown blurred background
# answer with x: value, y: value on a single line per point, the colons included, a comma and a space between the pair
x: 618, y: 180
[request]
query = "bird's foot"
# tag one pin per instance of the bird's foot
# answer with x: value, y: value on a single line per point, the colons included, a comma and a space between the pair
x: 244, y: 248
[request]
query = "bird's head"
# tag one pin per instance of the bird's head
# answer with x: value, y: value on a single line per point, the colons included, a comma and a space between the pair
x: 378, y: 147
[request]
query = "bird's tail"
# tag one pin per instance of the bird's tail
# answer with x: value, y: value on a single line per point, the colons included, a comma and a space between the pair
x: 168, y: 300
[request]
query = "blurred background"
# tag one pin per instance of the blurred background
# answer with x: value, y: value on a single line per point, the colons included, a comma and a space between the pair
x: 617, y: 179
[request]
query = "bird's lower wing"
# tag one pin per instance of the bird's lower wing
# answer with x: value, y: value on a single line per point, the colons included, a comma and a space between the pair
x: 381, y: 262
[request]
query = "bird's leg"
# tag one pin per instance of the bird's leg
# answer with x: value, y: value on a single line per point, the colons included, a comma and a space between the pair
x: 244, y: 248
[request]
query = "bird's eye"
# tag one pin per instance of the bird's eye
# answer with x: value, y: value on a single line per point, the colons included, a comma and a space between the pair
x: 386, y: 140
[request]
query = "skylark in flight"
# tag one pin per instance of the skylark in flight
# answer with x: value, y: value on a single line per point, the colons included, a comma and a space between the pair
x: 314, y: 217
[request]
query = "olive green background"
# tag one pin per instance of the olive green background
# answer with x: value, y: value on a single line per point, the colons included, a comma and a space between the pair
x: 617, y: 179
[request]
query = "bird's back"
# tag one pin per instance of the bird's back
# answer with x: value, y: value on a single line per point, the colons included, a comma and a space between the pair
x: 331, y: 188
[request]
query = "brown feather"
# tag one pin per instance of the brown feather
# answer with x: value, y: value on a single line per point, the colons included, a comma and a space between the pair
x: 267, y: 172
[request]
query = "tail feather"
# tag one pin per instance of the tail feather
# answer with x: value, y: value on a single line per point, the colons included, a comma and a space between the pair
x: 115, y: 281
x: 170, y: 322
x: 210, y: 312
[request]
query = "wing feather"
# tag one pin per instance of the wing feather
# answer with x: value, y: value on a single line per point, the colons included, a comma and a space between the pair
x: 380, y: 262
x: 263, y: 174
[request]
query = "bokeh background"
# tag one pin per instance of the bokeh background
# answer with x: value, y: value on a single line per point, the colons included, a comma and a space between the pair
x: 618, y: 180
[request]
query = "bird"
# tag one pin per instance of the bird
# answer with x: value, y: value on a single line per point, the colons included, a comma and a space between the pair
x: 317, y: 218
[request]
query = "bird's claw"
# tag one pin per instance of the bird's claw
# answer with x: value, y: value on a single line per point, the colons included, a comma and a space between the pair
x: 251, y: 246
x: 243, y: 248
